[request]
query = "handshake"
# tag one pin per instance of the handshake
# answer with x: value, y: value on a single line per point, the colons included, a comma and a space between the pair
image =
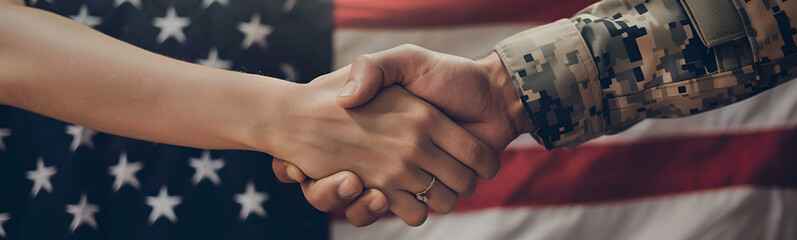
x: 413, y: 148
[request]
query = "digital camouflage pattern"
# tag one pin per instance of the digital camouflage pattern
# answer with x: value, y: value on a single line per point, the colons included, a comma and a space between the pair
x: 619, y: 62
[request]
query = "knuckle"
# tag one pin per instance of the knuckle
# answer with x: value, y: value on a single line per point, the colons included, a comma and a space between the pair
x: 424, y: 116
x: 408, y: 47
x: 468, y: 185
x: 416, y: 219
x: 414, y: 50
x: 358, y: 222
x: 364, y: 59
x: 494, y: 172
x: 491, y: 165
x: 319, y: 203
x: 283, y: 178
x: 449, y: 206
x: 480, y: 158
x: 471, y: 152
x: 279, y: 172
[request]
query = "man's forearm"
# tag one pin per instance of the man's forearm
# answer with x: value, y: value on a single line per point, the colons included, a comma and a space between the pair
x: 61, y: 69
x: 614, y: 65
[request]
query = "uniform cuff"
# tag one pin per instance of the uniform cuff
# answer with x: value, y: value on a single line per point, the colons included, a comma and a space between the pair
x: 556, y: 79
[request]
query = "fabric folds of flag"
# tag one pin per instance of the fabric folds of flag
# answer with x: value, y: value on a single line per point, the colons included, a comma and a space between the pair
x: 725, y: 174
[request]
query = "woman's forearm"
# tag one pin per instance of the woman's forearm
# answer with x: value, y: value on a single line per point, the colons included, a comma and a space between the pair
x: 61, y: 69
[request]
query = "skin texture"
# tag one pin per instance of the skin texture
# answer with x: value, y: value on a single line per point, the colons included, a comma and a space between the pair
x: 476, y: 94
x: 395, y: 144
x: 17, y: 2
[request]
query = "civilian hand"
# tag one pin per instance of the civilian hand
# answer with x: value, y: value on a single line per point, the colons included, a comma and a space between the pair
x: 395, y: 144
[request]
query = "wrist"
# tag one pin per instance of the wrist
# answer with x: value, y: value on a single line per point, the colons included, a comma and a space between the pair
x: 504, y: 89
x: 266, y: 103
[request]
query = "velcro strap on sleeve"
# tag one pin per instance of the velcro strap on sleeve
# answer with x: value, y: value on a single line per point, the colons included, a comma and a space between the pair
x: 715, y: 21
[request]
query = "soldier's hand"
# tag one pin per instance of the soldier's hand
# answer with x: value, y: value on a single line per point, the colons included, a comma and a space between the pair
x: 479, y: 95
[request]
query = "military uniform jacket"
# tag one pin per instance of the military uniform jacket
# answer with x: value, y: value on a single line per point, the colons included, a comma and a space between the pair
x: 618, y: 62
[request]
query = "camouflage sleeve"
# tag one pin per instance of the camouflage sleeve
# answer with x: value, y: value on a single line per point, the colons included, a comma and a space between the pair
x: 619, y: 62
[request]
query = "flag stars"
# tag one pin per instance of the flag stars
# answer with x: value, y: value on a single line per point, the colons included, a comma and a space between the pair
x: 214, y: 61
x: 206, y: 168
x: 163, y: 206
x: 171, y: 26
x: 41, y: 178
x: 254, y: 32
x: 4, y: 217
x: 289, y: 71
x: 33, y: 2
x: 135, y: 3
x: 287, y: 7
x: 208, y: 3
x: 80, y: 136
x: 125, y: 173
x: 83, y: 213
x: 83, y: 17
x: 251, y: 202
x: 4, y: 132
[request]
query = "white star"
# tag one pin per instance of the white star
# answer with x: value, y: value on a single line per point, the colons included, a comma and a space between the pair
x: 213, y: 60
x: 171, y: 25
x: 41, y: 177
x: 33, y: 2
x: 288, y: 6
x: 3, y: 218
x: 207, y: 3
x: 125, y: 173
x: 289, y: 71
x: 135, y: 3
x: 83, y: 212
x: 4, y: 132
x: 83, y: 17
x: 251, y: 201
x: 206, y: 168
x: 254, y: 32
x: 80, y: 136
x: 163, y: 205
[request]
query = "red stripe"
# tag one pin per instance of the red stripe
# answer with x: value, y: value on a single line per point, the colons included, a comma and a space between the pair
x: 600, y: 173
x: 428, y: 13
x: 649, y: 168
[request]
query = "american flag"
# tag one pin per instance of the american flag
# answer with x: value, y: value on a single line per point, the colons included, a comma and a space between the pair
x: 725, y: 174
x: 63, y: 181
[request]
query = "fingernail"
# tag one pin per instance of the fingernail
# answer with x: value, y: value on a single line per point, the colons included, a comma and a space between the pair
x: 346, y: 190
x: 349, y: 89
x: 377, y: 205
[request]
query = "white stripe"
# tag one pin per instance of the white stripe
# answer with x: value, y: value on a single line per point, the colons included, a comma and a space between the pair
x: 472, y: 41
x: 771, y: 109
x: 731, y: 213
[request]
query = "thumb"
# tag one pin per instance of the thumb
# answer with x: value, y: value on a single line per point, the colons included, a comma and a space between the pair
x: 287, y: 172
x: 365, y: 79
x: 370, y: 72
x: 333, y: 192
